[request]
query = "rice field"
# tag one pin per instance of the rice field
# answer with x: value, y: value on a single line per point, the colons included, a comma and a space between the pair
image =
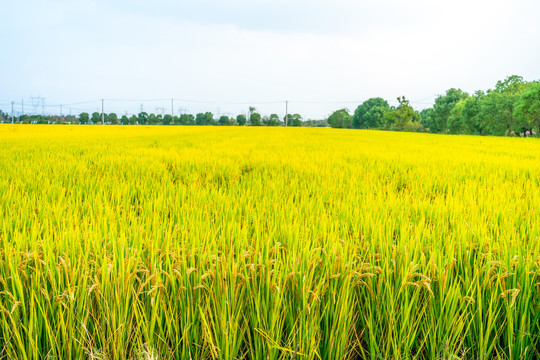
x: 267, y: 243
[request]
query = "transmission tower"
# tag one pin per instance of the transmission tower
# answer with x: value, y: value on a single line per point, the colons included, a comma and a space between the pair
x: 36, y: 102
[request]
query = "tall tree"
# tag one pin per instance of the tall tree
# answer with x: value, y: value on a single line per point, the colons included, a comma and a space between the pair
x: 295, y: 120
x: 527, y: 110
x: 255, y: 119
x: 456, y: 123
x: 272, y: 120
x: 340, y: 119
x: 200, y: 119
x: 112, y: 118
x: 187, y: 119
x: 370, y: 114
x: 403, y: 118
x: 241, y: 119
x: 251, y: 110
x: 442, y: 108
x: 223, y: 120
x: 96, y: 118
x: 499, y: 104
x: 471, y: 116
x: 167, y: 119
x: 426, y: 116
x: 209, y: 119
x: 153, y: 119
x: 84, y: 117
x: 142, y: 118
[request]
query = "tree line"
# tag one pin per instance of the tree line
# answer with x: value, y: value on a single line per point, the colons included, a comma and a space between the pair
x: 252, y: 118
x: 511, y: 108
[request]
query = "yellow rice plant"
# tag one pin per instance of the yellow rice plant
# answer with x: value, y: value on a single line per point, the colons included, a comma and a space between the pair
x: 133, y: 242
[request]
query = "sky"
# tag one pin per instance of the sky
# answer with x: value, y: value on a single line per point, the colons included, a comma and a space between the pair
x: 225, y: 55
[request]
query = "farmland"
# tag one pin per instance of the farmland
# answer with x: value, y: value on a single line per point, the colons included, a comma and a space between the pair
x: 267, y: 243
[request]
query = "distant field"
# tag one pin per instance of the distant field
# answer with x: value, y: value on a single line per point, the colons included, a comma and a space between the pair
x: 267, y: 243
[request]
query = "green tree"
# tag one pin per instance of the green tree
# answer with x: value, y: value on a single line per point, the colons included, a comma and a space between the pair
x: 153, y: 119
x: 272, y: 120
x: 471, y: 116
x: 255, y: 119
x: 84, y: 117
x: 112, y: 118
x: 241, y: 119
x: 425, y: 117
x: 442, y: 108
x: 167, y: 119
x: 25, y: 119
x: 96, y: 118
x: 488, y: 118
x: 498, y: 105
x: 295, y: 120
x: 370, y: 114
x: 403, y: 118
x: 456, y: 122
x: 251, y: 110
x: 223, y: 120
x: 527, y: 110
x: 200, y: 119
x: 124, y: 120
x: 340, y: 119
x: 187, y: 119
x: 142, y: 118
x: 133, y: 120
x: 209, y: 119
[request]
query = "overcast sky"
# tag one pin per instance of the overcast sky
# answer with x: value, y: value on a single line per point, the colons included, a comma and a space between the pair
x: 223, y: 55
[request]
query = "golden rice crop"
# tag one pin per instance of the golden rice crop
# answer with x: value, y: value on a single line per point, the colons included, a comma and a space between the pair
x: 267, y: 243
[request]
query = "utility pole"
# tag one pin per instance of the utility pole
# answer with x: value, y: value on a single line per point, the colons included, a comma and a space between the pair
x: 60, y: 110
x: 286, y: 112
x: 22, y: 107
x: 102, y: 113
x: 172, y: 107
x: 12, y: 111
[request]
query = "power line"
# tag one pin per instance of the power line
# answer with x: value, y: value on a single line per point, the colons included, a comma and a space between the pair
x: 37, y: 102
x: 41, y: 101
x: 137, y: 100
x: 77, y: 103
